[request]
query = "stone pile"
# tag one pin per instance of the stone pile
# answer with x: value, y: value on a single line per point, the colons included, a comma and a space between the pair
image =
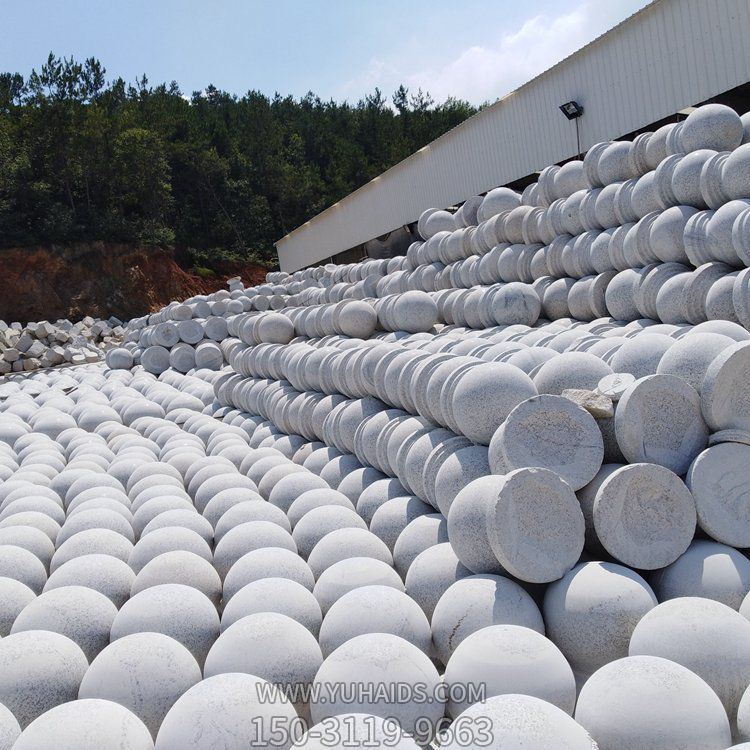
x: 182, y: 336
x: 45, y: 344
x: 487, y: 494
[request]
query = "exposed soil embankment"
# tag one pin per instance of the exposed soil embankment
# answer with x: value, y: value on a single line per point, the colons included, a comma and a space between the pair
x: 102, y: 279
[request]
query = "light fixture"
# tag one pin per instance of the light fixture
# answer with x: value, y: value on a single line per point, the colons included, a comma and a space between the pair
x: 572, y: 109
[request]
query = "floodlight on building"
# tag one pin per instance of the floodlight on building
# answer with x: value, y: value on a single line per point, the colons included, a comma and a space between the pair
x: 571, y: 109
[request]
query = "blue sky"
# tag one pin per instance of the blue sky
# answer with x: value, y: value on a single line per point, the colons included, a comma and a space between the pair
x: 477, y: 51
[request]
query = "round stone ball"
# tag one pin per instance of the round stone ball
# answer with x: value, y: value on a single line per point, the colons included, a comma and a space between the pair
x: 709, y: 638
x: 281, y: 595
x: 712, y: 126
x: 707, y: 569
x: 23, y: 566
x: 484, y: 397
x: 145, y: 672
x: 517, y: 722
x: 270, y: 562
x: 658, y: 420
x: 119, y: 358
x: 391, y: 518
x: 591, y: 612
x: 431, y: 574
x: 476, y: 602
x: 268, y: 645
x: 180, y: 612
x: 515, y: 304
x: 179, y: 567
x: 552, y: 432
x: 247, y: 537
x: 356, y: 676
x: 91, y: 542
x: 374, y: 609
x: 342, y: 544
x: 155, y: 359
x: 355, y: 731
x: 275, y: 328
x: 414, y: 312
x: 570, y: 370
x: 103, y: 573
x: 10, y: 729
x: 467, y: 525
x: 350, y: 574
x: 14, y: 597
x: 88, y: 724
x: 290, y: 487
x: 82, y: 614
x: 320, y: 498
x: 508, y: 659
x: 535, y: 525
x: 718, y: 481
x: 318, y: 522
x: 647, y: 701
x: 39, y: 670
x: 357, y: 319
x: 643, y: 515
x: 690, y: 357
x: 724, y: 393
x: 229, y: 711
x: 166, y: 540
x: 640, y: 356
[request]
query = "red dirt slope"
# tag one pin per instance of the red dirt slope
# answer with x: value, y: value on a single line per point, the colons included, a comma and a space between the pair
x: 101, y: 279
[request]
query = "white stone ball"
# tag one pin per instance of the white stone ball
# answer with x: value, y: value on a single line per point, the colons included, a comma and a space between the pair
x: 373, y: 662
x: 180, y: 612
x: 707, y: 569
x: 647, y: 701
x: 350, y: 574
x: 88, y: 724
x: 229, y: 711
x: 269, y: 562
x: 535, y: 525
x: 709, y: 638
x: 92, y: 542
x: 9, y: 729
x: 485, y: 395
x: 552, y: 432
x: 476, y: 602
x: 712, y: 126
x: 281, y: 595
x: 22, y: 566
x: 690, y: 357
x: 517, y: 722
x: 718, y: 481
x: 271, y: 646
x: 166, y: 540
x: 508, y: 659
x: 39, y: 670
x: 81, y: 614
x: 658, y: 420
x: 145, y: 672
x: 342, y: 544
x: 355, y: 731
x: 318, y: 522
x: 591, y: 612
x: 14, y: 597
x: 275, y: 328
x: 430, y: 575
x: 180, y: 567
x: 374, y: 609
x: 414, y: 311
x: 357, y: 319
x: 570, y: 370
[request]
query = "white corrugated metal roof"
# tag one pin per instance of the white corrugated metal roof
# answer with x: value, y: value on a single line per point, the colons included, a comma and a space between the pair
x: 669, y: 55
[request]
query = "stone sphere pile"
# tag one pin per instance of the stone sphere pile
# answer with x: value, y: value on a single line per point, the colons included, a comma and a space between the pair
x: 492, y: 493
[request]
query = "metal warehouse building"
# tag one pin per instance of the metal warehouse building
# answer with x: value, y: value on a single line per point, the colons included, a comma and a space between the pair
x: 671, y: 55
